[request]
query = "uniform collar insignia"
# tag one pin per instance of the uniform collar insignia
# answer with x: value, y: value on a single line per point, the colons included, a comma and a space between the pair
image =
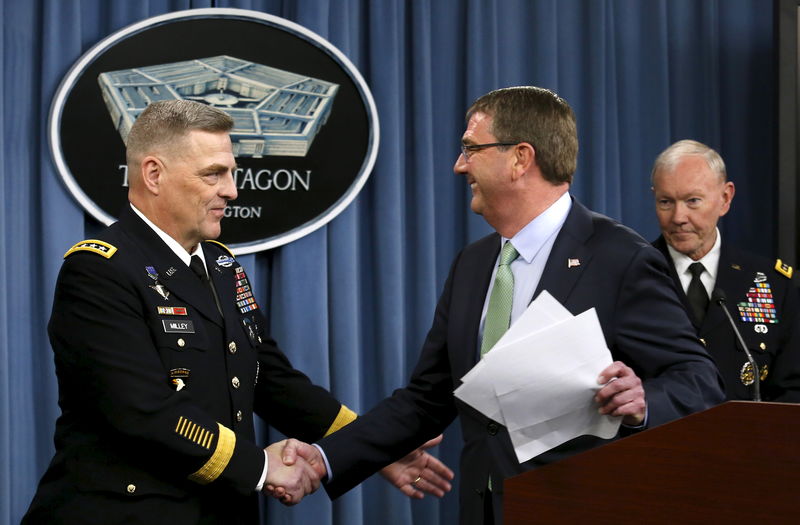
x: 784, y: 268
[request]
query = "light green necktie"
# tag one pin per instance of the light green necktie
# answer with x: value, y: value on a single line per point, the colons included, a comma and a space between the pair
x: 498, y: 315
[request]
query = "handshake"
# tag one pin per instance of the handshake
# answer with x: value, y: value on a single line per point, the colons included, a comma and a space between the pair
x: 295, y: 469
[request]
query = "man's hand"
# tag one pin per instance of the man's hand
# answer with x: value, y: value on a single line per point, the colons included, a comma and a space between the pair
x: 290, y: 481
x: 295, y: 450
x: 419, y: 472
x: 622, y: 395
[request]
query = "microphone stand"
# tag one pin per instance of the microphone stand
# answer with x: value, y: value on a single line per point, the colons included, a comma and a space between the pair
x: 719, y: 298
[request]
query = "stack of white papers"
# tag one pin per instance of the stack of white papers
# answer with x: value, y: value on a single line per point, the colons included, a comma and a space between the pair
x: 540, y: 379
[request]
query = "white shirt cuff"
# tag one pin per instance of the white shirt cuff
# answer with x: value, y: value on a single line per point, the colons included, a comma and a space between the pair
x: 263, y: 479
x: 325, y: 459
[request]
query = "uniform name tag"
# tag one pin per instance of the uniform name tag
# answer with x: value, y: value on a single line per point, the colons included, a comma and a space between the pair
x: 178, y: 327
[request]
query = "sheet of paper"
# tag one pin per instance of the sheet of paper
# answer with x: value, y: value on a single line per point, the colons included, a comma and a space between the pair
x: 540, y: 379
x: 541, y: 313
x: 538, y: 439
x: 520, y: 408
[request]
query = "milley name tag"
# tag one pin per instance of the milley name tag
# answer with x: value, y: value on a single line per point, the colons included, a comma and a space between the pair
x: 178, y: 327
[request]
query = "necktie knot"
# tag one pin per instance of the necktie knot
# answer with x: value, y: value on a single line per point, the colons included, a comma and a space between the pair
x: 198, y: 268
x: 696, y: 269
x: 508, y: 254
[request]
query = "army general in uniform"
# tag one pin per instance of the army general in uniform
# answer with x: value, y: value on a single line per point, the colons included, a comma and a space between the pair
x: 162, y: 357
x: 691, y: 194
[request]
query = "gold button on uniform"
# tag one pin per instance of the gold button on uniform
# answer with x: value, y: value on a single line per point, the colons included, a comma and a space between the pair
x: 181, y: 342
x: 235, y: 382
x: 131, y: 488
x: 232, y: 347
x: 238, y: 415
x: 762, y: 346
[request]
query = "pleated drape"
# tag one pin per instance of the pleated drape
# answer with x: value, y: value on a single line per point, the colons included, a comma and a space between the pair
x: 351, y: 302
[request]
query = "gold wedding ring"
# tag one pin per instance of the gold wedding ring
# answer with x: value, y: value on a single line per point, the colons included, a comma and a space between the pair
x: 414, y: 483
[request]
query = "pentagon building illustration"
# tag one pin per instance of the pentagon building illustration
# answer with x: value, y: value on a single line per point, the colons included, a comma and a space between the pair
x: 275, y: 112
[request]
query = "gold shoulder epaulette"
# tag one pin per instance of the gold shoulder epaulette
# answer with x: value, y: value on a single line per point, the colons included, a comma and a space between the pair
x: 94, y: 246
x: 783, y: 268
x: 223, y: 246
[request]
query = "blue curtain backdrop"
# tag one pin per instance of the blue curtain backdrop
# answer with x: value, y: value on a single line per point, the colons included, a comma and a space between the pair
x: 351, y: 303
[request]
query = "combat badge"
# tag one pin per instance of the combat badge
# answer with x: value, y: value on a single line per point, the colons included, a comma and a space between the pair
x: 225, y: 261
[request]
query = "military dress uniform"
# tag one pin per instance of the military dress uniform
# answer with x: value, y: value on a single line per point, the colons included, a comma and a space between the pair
x: 763, y: 302
x: 158, y: 384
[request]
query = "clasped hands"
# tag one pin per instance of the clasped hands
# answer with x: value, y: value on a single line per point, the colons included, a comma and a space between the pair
x: 296, y: 469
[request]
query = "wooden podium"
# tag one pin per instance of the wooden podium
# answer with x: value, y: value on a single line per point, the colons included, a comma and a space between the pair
x: 738, y: 462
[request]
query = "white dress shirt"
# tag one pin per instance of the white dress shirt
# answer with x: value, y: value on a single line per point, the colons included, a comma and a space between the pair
x: 710, y: 262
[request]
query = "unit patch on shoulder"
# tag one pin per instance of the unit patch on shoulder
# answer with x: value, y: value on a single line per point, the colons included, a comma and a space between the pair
x: 783, y: 268
x: 94, y: 246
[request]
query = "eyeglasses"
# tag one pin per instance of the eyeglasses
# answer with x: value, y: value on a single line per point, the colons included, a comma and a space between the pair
x: 468, y: 149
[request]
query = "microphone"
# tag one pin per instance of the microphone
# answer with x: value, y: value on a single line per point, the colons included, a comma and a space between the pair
x: 718, y: 297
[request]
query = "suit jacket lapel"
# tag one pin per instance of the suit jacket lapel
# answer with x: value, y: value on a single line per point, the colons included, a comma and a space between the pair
x: 661, y: 245
x: 172, y: 272
x: 223, y: 280
x: 477, y: 276
x: 185, y: 284
x: 569, y: 255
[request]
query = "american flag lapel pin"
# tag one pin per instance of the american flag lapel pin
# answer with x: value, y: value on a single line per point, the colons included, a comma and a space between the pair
x: 573, y: 262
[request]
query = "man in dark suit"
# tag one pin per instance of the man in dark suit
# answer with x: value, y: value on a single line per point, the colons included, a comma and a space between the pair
x: 692, y: 193
x: 519, y: 153
x: 162, y: 357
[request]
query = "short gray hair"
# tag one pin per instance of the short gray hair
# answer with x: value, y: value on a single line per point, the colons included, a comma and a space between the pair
x: 163, y: 123
x: 668, y: 158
